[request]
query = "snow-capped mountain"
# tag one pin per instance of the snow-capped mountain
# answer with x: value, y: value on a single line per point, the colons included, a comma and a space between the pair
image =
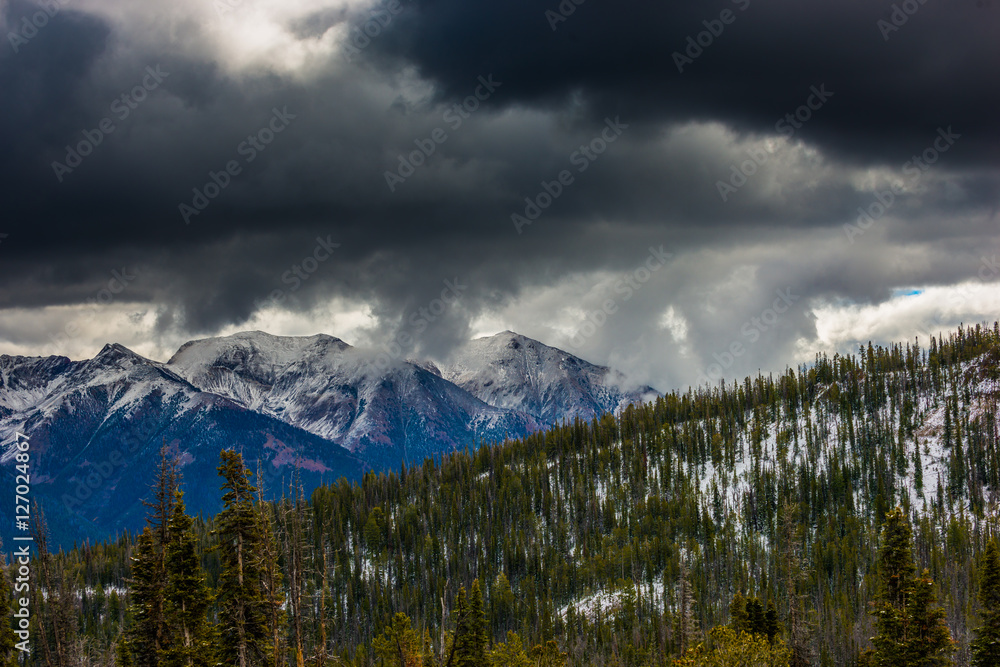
x: 313, y: 404
x: 325, y: 386
x: 96, y: 428
x: 517, y: 373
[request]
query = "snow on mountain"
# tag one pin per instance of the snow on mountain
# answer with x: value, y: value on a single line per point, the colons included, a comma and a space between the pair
x: 96, y: 427
x: 517, y: 373
x: 323, y: 385
x: 313, y: 403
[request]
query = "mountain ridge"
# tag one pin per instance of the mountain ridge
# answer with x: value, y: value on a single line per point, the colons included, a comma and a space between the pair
x: 312, y: 402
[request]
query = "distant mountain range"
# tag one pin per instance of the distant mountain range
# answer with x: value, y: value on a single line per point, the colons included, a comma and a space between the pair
x: 313, y: 404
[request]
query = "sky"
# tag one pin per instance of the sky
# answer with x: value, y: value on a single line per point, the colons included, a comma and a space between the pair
x: 683, y: 190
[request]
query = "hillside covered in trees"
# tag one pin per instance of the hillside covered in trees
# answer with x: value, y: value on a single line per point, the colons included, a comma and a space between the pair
x: 839, y: 513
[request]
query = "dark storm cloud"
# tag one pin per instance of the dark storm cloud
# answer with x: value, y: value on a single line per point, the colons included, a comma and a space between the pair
x: 935, y: 69
x: 324, y: 174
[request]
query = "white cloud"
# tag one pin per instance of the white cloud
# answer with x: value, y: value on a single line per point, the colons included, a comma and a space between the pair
x: 940, y: 309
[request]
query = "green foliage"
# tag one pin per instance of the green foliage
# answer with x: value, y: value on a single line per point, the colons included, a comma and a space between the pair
x: 771, y: 626
x: 399, y: 645
x: 728, y: 648
x: 8, y: 640
x: 986, y: 646
x: 471, y: 639
x: 738, y: 619
x: 243, y: 606
x: 911, y: 629
x: 548, y: 655
x: 186, y: 597
x: 510, y: 653
x: 756, y: 621
x: 583, y: 534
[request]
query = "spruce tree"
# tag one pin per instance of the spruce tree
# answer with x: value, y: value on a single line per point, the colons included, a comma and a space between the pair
x: 986, y: 645
x: 510, y: 653
x: 274, y: 597
x: 771, y: 621
x: 738, y: 620
x: 148, y: 636
x: 911, y: 631
x: 243, y: 606
x: 399, y: 645
x: 140, y: 645
x: 461, y: 614
x: 186, y: 598
x: 478, y: 633
x: 755, y: 617
x: 928, y: 640
x: 470, y: 634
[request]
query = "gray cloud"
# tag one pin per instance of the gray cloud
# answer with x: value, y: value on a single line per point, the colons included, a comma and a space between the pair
x: 324, y: 175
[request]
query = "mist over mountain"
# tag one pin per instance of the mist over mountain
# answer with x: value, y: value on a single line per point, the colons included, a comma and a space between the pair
x: 513, y: 371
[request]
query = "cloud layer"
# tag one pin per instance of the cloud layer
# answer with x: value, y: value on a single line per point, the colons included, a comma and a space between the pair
x: 257, y: 164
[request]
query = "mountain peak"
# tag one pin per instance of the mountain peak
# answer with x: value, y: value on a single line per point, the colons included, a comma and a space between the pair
x: 272, y: 349
x: 116, y: 353
x: 512, y: 371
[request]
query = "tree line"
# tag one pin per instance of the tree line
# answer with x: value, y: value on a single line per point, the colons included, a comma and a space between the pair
x: 637, y: 539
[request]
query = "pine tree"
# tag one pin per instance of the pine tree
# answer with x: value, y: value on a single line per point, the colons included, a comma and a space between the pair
x: 295, y: 525
x: 895, y: 564
x: 797, y: 630
x: 461, y: 614
x: 986, y: 645
x: 928, y: 640
x: 771, y: 621
x: 186, y: 598
x: 510, y: 653
x: 738, y: 619
x: 755, y: 617
x: 54, y: 612
x: 243, y: 606
x: 470, y: 637
x: 274, y: 598
x: 688, y: 629
x: 911, y: 632
x: 139, y: 645
x: 148, y: 637
x: 399, y: 645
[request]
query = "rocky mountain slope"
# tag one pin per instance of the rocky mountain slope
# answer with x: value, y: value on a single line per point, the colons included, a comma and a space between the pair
x: 515, y: 372
x: 314, y: 403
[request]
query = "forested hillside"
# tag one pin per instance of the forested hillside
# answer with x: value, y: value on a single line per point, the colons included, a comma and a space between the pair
x: 763, y: 505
